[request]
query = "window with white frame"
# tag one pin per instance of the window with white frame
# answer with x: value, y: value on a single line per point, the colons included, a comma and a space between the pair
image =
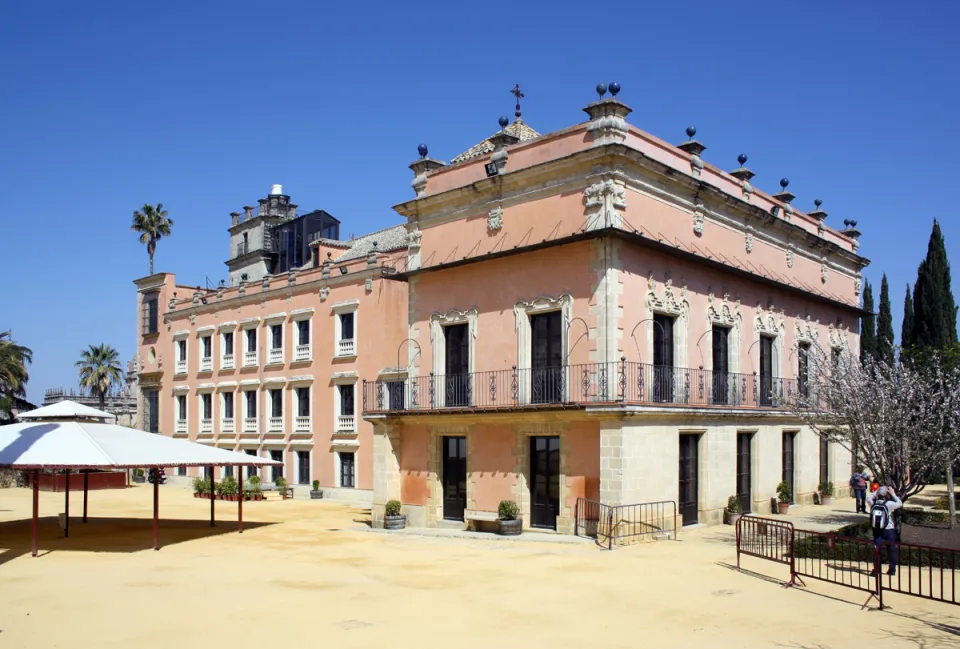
x: 302, y: 422
x: 275, y: 397
x: 206, y: 412
x: 348, y: 469
x: 275, y: 352
x: 345, y: 328
x: 181, y: 346
x: 181, y: 413
x: 302, y: 349
x: 250, y: 411
x: 206, y: 353
x: 345, y: 407
x: 250, y: 347
x: 226, y: 350
x: 226, y: 408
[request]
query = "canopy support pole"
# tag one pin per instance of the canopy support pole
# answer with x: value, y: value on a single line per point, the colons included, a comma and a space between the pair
x: 156, y: 513
x: 66, y: 505
x: 213, y: 496
x: 86, y: 485
x: 240, y: 502
x: 36, y: 510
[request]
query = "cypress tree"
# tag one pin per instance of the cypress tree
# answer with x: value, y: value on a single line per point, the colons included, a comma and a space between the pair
x: 884, y: 340
x: 934, y: 309
x: 868, y: 325
x: 906, y: 329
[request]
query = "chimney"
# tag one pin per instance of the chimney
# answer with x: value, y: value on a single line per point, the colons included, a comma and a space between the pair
x: 234, y: 218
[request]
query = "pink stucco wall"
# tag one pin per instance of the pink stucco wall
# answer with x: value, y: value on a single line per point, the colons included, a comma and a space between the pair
x: 491, y: 463
x: 582, y: 461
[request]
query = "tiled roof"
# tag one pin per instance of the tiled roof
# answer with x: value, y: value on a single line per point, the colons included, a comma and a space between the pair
x: 518, y: 129
x: 393, y: 238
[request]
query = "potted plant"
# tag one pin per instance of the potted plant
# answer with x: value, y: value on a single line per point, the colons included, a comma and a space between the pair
x: 254, y: 491
x: 784, y: 496
x: 392, y: 518
x: 227, y: 489
x: 734, y: 510
x: 508, y: 516
x: 138, y: 475
x: 281, y: 484
x: 826, y: 492
x: 315, y: 493
x: 198, y: 487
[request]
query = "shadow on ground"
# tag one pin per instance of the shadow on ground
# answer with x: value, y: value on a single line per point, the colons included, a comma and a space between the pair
x: 108, y: 534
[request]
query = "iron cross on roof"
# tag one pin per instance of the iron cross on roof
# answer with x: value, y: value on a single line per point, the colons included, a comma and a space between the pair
x: 519, y: 95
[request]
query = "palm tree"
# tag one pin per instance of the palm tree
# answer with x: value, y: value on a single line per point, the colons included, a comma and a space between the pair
x: 152, y: 224
x: 13, y: 371
x: 100, y: 370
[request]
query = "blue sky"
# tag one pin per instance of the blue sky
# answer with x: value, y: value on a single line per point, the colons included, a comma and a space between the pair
x: 202, y: 106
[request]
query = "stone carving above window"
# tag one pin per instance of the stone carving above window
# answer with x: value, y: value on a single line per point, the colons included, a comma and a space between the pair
x: 604, y: 200
x: 495, y: 219
x: 768, y: 321
x: 807, y: 330
x: 837, y: 337
x: 413, y: 239
x: 724, y: 313
x: 456, y: 317
x: 857, y: 286
x: 669, y: 303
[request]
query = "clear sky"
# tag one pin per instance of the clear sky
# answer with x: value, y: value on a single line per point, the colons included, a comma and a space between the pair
x: 203, y: 105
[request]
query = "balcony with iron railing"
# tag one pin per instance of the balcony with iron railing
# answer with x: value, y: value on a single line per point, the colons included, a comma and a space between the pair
x: 577, y: 386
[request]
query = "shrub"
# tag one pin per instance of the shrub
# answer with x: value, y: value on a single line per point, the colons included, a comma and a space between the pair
x: 392, y: 508
x: 942, y: 503
x: 784, y: 492
x: 281, y: 482
x: 8, y: 478
x: 316, y: 485
x: 508, y: 510
x: 734, y: 506
x: 826, y: 489
x: 254, y: 480
x: 201, y: 486
x: 227, y: 486
x: 138, y: 473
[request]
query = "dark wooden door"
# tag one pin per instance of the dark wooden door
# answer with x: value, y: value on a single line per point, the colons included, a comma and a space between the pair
x: 803, y: 368
x: 458, y: 385
x: 303, y: 467
x: 689, y: 503
x: 824, y: 460
x: 787, y: 475
x: 721, y: 365
x: 454, y: 477
x: 547, y: 358
x: 743, y: 470
x: 766, y: 371
x: 544, y: 481
x: 663, y: 371
x: 276, y: 471
x: 348, y: 470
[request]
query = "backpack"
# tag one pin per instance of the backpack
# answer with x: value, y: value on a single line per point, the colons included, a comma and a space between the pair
x: 879, y: 517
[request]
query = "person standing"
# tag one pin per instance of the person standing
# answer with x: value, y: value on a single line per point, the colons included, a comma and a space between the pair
x: 883, y: 503
x: 858, y: 482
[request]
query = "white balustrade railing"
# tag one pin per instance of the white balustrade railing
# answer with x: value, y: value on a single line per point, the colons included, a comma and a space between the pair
x: 346, y: 347
x: 345, y: 422
x: 206, y: 425
x: 275, y: 423
x: 249, y: 358
x: 181, y: 425
x: 250, y: 425
x: 276, y: 355
x: 302, y: 353
x: 206, y: 364
x: 181, y: 367
x: 302, y: 424
x: 226, y: 362
x: 226, y: 425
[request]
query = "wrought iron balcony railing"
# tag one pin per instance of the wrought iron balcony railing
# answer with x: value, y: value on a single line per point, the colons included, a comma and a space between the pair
x: 576, y: 385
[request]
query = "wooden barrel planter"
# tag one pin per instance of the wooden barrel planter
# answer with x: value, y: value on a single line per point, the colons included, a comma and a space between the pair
x: 510, y: 527
x: 394, y: 522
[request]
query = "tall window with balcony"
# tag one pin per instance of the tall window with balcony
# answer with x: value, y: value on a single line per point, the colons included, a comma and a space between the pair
x: 457, y: 380
x: 206, y: 412
x: 346, y: 335
x: 345, y: 418
x: 206, y: 353
x: 226, y: 351
x: 151, y: 410
x: 226, y: 424
x: 181, y: 413
x: 302, y: 424
x: 803, y: 369
x: 767, y: 350
x: 276, y: 410
x: 250, y: 353
x: 151, y: 314
x: 664, y: 374
x: 546, y: 357
x: 250, y: 418
x: 275, y: 355
x: 302, y: 352
x: 181, y: 356
x: 720, y: 378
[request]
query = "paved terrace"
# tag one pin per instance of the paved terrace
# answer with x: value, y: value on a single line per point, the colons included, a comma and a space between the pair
x: 311, y: 574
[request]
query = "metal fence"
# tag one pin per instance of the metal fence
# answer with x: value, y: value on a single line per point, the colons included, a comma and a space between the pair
x: 620, y: 381
x: 616, y: 524
x: 921, y: 571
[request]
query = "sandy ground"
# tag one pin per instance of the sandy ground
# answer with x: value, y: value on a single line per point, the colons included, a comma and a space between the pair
x: 309, y: 573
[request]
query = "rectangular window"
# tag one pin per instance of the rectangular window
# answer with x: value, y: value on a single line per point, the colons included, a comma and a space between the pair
x: 346, y: 326
x: 206, y: 345
x: 228, y: 343
x: 303, y: 332
x: 181, y: 350
x: 251, y: 340
x: 276, y: 471
x: 347, y: 473
x: 803, y: 368
x: 303, y: 402
x: 276, y: 403
x: 303, y: 467
x: 766, y: 370
x: 228, y: 405
x: 458, y: 388
x: 346, y: 333
x: 276, y: 336
x: 151, y: 312
x: 251, y: 397
x: 721, y: 365
x: 663, y: 370
x: 151, y: 410
x: 228, y: 472
x: 346, y: 400
x: 824, y: 460
x: 251, y: 468
x: 206, y: 399
x: 181, y: 406
x: 181, y: 470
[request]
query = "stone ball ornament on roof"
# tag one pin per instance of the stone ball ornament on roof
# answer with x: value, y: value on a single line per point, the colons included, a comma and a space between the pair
x: 423, y: 150
x: 691, y: 131
x: 784, y: 182
x: 503, y: 121
x: 818, y: 202
x: 601, y: 89
x: 614, y: 88
x: 742, y: 159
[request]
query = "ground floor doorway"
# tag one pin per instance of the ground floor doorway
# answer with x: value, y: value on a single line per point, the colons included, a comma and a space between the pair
x: 454, y: 478
x: 544, y: 481
x: 688, y: 499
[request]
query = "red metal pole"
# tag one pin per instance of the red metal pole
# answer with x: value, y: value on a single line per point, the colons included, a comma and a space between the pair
x: 240, y: 503
x: 66, y: 506
x: 86, y: 484
x: 212, y: 496
x: 156, y: 513
x: 36, y: 508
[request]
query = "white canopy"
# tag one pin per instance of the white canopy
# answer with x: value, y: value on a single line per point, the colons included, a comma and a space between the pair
x: 89, y: 445
x: 66, y: 410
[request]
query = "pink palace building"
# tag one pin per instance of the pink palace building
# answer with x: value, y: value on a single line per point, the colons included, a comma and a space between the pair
x: 589, y: 313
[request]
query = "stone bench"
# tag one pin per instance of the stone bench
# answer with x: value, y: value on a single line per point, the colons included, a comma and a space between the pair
x: 479, y: 515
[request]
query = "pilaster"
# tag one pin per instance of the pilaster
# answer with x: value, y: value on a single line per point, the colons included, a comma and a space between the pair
x: 386, y: 468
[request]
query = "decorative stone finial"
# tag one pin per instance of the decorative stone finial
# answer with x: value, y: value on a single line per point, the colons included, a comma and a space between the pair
x: 783, y: 195
x: 503, y: 122
x: 423, y: 150
x: 516, y: 92
x: 818, y: 202
x: 614, y: 88
x: 692, y: 146
x: 742, y: 173
x: 372, y: 256
x: 691, y: 131
x: 742, y: 159
x: 818, y: 213
x: 784, y: 182
x: 601, y: 89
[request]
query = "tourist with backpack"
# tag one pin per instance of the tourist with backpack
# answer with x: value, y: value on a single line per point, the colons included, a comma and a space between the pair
x: 858, y: 482
x: 882, y: 504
